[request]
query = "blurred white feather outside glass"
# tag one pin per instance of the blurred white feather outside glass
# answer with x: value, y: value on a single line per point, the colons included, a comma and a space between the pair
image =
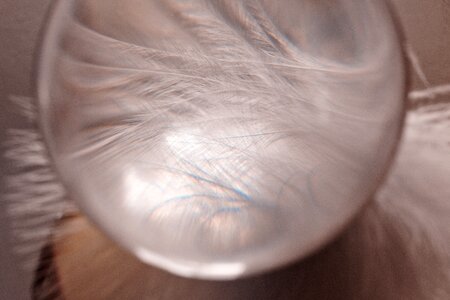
x: 218, y: 139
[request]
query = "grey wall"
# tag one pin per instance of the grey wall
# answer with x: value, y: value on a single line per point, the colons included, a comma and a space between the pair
x: 20, y: 21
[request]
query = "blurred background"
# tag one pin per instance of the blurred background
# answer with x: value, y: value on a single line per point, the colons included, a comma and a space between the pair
x: 426, y: 25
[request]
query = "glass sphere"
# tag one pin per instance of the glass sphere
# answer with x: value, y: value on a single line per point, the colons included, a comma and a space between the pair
x: 219, y: 139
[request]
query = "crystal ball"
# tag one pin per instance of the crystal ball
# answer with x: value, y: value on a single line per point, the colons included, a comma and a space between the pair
x: 220, y: 139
